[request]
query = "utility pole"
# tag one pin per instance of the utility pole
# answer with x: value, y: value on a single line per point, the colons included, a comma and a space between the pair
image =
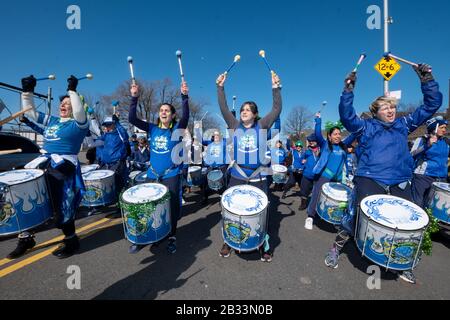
x: 387, y: 21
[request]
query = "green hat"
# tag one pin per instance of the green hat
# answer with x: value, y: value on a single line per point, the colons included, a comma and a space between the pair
x: 299, y: 144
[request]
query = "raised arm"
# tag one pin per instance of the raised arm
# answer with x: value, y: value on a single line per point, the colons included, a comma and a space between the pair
x: 268, y: 120
x: 432, y: 99
x: 185, y: 106
x: 132, y: 114
x: 228, y: 116
x: 318, y: 130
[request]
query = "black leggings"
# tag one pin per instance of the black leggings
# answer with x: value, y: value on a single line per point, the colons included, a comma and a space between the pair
x: 56, y: 178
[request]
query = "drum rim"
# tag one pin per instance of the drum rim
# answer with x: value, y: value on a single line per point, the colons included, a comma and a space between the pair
x: 279, y: 166
x: 239, y: 215
x: 17, y: 184
x: 98, y: 178
x: 436, y: 184
x: 382, y: 225
x: 121, y: 200
x: 27, y: 229
x: 329, y: 183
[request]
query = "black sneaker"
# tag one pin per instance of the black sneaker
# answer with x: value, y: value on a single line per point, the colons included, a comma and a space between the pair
x: 135, y: 248
x: 172, y: 245
x: 23, y: 245
x: 68, y: 248
x: 408, y: 276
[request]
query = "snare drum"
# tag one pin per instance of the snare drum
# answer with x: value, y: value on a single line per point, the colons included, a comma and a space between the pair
x: 146, y: 213
x: 390, y: 231
x: 244, y: 217
x: 100, y: 188
x: 24, y: 201
x: 440, y: 201
x: 194, y: 176
x: 140, y: 178
x: 333, y: 202
x: 215, y: 180
x: 279, y: 173
x: 88, y: 168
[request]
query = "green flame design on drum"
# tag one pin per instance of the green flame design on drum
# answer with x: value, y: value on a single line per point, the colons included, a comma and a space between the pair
x: 141, y: 214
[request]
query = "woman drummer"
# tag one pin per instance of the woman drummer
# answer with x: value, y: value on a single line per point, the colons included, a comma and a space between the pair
x: 249, y: 147
x: 163, y: 167
x: 330, y: 165
x: 385, y: 165
x: 63, y: 137
x: 431, y: 160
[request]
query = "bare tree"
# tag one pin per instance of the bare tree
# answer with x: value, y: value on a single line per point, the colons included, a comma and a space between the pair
x: 298, y: 120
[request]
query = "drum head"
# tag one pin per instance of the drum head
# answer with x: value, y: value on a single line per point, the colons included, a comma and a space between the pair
x: 279, y: 168
x: 194, y: 169
x: 244, y: 200
x: 98, y: 175
x: 14, y: 177
x: 144, y: 193
x: 89, y: 168
x: 141, y: 177
x: 394, y: 212
x: 442, y: 186
x: 337, y: 191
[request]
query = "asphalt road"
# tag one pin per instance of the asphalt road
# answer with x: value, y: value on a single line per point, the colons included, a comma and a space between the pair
x: 196, y: 272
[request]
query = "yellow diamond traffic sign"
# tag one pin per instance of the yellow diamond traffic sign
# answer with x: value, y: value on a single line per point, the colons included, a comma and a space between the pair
x: 388, y: 67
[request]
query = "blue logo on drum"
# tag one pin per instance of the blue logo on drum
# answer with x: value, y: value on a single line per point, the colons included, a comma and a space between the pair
x: 237, y: 232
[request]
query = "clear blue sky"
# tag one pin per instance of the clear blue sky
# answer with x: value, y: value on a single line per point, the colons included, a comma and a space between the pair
x: 312, y: 45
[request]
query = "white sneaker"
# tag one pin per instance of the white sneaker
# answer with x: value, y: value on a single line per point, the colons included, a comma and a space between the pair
x: 309, y: 223
x: 183, y: 202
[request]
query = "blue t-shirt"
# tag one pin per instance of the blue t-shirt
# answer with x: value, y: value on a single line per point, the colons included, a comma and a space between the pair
x: 64, y: 138
x: 298, y: 158
x: 161, y: 146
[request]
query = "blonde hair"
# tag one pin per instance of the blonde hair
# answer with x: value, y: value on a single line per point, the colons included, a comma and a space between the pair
x: 375, y: 106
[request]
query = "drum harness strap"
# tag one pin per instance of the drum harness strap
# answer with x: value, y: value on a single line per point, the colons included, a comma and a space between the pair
x: 258, y: 171
x: 159, y: 178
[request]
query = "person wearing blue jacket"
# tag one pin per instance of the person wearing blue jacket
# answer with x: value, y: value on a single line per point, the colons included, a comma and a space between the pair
x: 278, y: 155
x: 309, y: 159
x: 250, y: 146
x: 385, y: 165
x: 296, y: 169
x: 115, y: 150
x: 329, y: 167
x: 163, y: 167
x: 431, y: 154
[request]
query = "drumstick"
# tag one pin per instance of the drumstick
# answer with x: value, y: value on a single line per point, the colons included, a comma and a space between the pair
x: 361, y: 59
x: 237, y: 58
x: 5, y: 152
x: 14, y: 116
x: 130, y: 63
x: 403, y: 60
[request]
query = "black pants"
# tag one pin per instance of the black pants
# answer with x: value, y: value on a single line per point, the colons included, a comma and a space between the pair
x: 56, y: 178
x: 294, y: 177
x: 174, y: 186
x: 306, y: 187
x: 421, y: 187
x: 262, y: 185
x: 366, y: 187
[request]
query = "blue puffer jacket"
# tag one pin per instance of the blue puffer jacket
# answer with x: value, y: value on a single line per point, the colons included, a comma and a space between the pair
x: 383, y: 148
x: 324, y: 148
